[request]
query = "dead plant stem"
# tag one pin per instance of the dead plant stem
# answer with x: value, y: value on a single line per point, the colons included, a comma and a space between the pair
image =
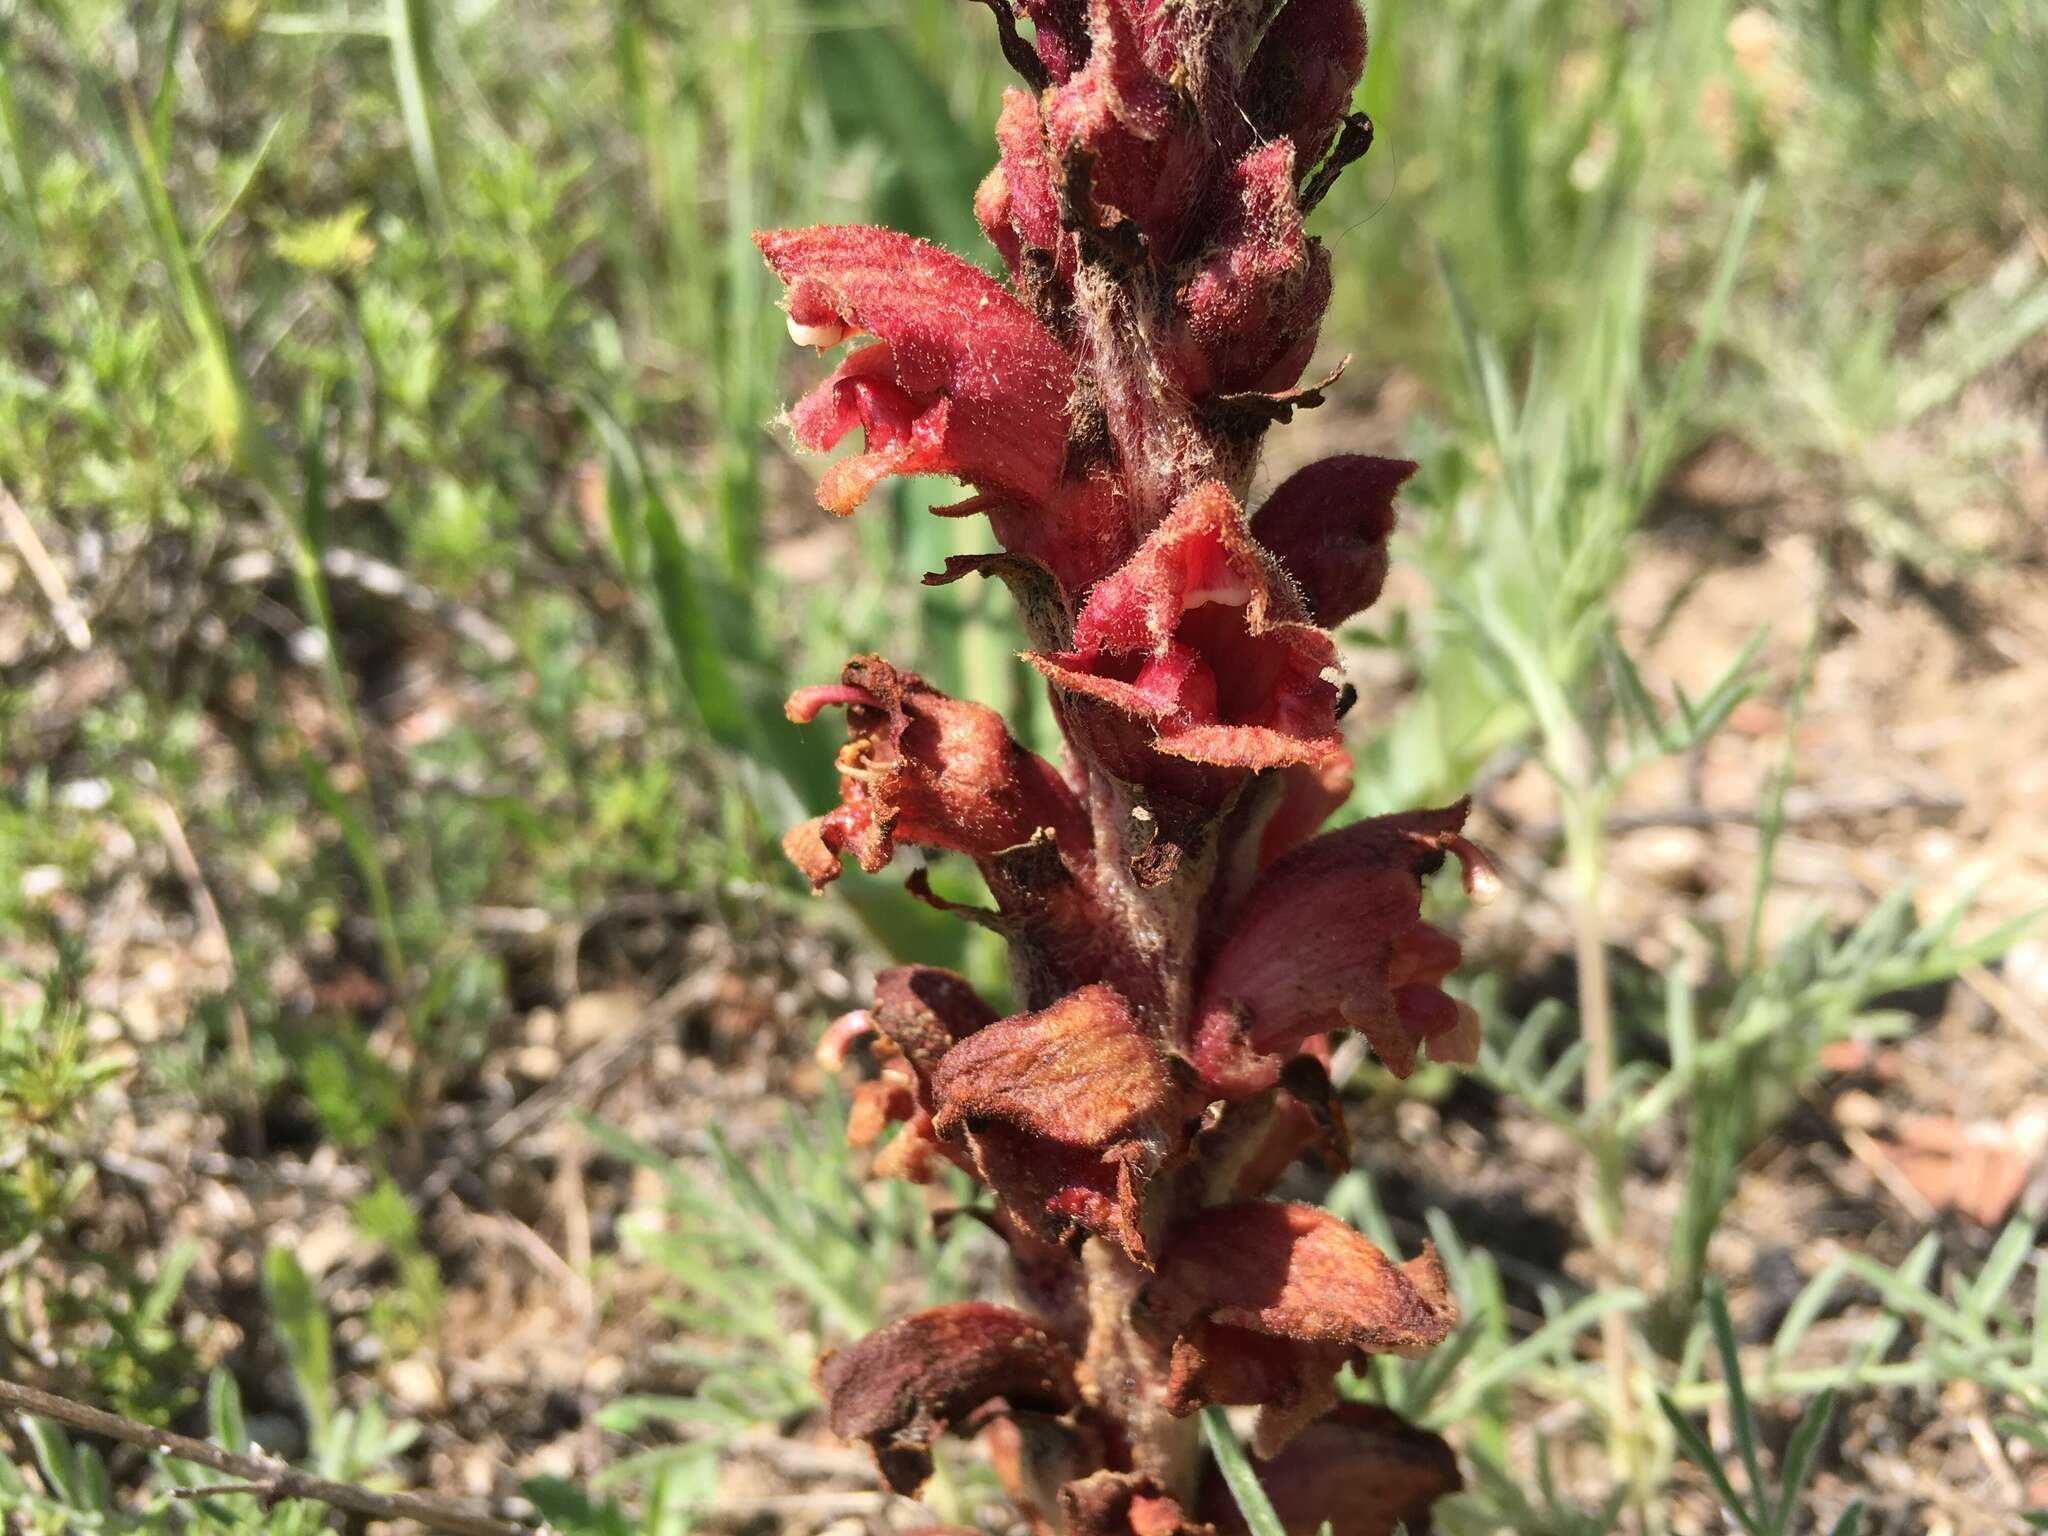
x: 1604, y: 1197
x: 265, y: 1478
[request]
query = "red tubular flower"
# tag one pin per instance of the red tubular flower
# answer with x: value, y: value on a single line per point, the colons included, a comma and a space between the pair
x: 1266, y: 1302
x: 962, y: 380
x: 1061, y: 28
x: 1302, y: 77
x: 1199, y: 637
x: 942, y: 1369
x: 1250, y: 313
x: 1017, y: 206
x: 1331, y: 937
x: 1136, y: 136
x: 1328, y: 524
x: 1068, y: 1111
x: 919, y: 767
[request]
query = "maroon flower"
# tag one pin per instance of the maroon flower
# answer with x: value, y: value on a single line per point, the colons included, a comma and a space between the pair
x: 1124, y: 1504
x: 1301, y: 79
x: 1331, y: 937
x: 1199, y: 637
x: 1363, y: 1470
x: 1183, y: 945
x: 1249, y: 314
x: 1069, y: 1112
x: 919, y: 767
x: 946, y: 1368
x: 1265, y: 1303
x: 1328, y: 524
x: 961, y: 381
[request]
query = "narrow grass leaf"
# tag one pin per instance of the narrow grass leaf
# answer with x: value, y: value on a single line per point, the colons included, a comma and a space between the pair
x: 1701, y: 1454
x: 1813, y: 1299
x: 1236, y: 1467
x: 302, y: 1329
x: 53, y: 1457
x: 224, y: 1417
x: 1515, y: 1362
x: 1740, y: 1417
x: 2001, y: 1267
x: 406, y: 29
x: 163, y: 106
x: 1798, y: 1463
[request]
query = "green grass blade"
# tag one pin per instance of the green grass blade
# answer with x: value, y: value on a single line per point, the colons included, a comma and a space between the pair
x: 1511, y: 1363
x: 302, y: 1328
x: 164, y: 105
x: 14, y: 156
x: 1701, y: 1454
x: 1236, y: 1468
x: 224, y: 1416
x: 1741, y: 1418
x: 52, y: 1450
x: 406, y: 29
x: 1799, y: 1460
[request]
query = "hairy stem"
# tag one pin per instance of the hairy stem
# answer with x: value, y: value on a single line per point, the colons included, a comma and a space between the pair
x: 1126, y: 1375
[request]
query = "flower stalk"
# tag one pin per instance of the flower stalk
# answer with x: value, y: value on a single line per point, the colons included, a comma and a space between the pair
x: 1184, y: 947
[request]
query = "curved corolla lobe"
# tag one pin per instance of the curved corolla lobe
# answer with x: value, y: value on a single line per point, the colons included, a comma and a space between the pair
x: 1200, y: 637
x: 1328, y: 524
x: 1130, y: 135
x: 1017, y: 205
x: 1331, y: 937
x: 1068, y: 1113
x: 924, y: 1011
x: 962, y: 379
x: 920, y: 767
x: 1264, y: 1302
x: 1362, y: 1468
x: 904, y: 1385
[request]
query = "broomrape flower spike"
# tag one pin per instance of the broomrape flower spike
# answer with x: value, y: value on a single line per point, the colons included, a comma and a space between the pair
x: 1184, y: 945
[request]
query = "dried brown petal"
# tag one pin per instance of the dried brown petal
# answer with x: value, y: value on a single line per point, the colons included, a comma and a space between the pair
x: 904, y: 1385
x: 1068, y: 1112
x: 1362, y: 1468
x: 1123, y: 1504
x: 1331, y: 937
x: 1265, y: 1301
x: 925, y: 1010
x: 920, y: 767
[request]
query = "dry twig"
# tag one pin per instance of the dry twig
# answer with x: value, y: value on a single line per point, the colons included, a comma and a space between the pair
x: 261, y: 1476
x: 63, y: 607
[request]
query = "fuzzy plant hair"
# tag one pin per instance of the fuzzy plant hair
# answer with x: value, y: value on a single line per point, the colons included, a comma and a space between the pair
x: 1183, y: 946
